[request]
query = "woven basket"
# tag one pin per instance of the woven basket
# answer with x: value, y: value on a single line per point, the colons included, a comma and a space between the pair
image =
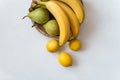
x: 39, y: 27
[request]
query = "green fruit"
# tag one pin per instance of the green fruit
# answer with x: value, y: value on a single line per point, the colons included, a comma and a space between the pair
x: 52, y: 28
x: 39, y: 15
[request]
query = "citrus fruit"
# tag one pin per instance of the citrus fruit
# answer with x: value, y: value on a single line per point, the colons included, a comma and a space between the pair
x: 75, y: 45
x: 65, y: 59
x: 52, y: 46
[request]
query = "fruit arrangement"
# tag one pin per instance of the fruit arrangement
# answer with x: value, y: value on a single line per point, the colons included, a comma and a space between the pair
x: 60, y: 19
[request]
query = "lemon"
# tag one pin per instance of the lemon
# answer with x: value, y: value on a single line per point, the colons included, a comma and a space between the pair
x: 75, y: 45
x: 52, y: 46
x: 65, y: 59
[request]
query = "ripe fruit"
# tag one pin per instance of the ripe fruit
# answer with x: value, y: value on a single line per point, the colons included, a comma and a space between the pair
x: 52, y: 46
x: 75, y: 45
x: 65, y: 59
x: 39, y: 15
x: 74, y: 22
x: 77, y: 7
x: 61, y: 18
x: 52, y: 28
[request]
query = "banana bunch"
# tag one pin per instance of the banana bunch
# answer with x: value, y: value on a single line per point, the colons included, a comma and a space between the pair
x: 69, y: 15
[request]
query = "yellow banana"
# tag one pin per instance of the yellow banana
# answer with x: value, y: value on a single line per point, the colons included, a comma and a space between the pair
x: 74, y: 22
x: 61, y: 18
x: 77, y: 7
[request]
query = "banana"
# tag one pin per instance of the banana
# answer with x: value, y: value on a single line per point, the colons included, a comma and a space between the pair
x: 74, y: 22
x: 77, y: 7
x: 61, y: 18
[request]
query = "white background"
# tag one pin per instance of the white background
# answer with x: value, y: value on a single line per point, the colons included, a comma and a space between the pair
x: 23, y: 55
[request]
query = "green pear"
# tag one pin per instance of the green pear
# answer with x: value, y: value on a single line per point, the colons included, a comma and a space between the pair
x: 39, y: 15
x: 52, y: 27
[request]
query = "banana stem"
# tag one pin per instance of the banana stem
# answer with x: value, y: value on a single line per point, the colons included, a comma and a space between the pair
x: 42, y: 3
x: 34, y: 5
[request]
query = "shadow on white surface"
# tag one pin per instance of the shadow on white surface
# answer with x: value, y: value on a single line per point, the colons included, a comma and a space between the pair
x: 22, y: 49
x: 89, y: 26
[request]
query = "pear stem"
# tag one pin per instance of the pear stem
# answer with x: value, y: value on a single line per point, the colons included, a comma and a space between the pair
x: 25, y: 17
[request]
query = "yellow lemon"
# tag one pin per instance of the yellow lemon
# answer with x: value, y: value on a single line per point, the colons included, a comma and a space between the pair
x: 65, y: 59
x: 52, y: 45
x: 75, y: 45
